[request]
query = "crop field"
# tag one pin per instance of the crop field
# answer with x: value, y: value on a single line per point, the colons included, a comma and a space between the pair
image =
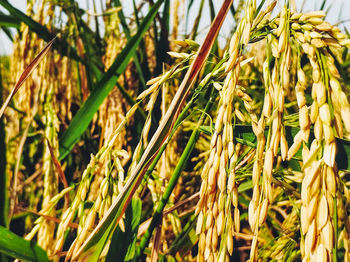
x: 129, y: 132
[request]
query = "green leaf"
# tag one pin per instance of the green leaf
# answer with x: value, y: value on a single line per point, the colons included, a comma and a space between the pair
x: 184, y: 241
x: 166, y: 15
x: 259, y: 8
x: 85, y: 114
x: 127, y: 34
x: 17, y: 247
x: 26, y: 73
x: 92, y: 47
x: 245, y: 186
x: 7, y: 32
x: 3, y: 176
x: 61, y: 45
x: 182, y: 162
x: 197, y: 21
x: 189, y: 5
x: 323, y: 4
x: 123, y: 245
x: 97, y: 239
x: 8, y: 21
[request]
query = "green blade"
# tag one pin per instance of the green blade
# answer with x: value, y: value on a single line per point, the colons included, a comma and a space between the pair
x: 123, y: 245
x: 3, y: 174
x: 7, y: 32
x: 9, y: 21
x: 61, y: 45
x: 127, y: 34
x: 26, y: 73
x: 17, y: 247
x: 85, y: 114
x: 94, y: 244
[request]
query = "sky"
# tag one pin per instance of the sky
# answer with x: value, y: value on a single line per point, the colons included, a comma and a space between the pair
x: 336, y: 13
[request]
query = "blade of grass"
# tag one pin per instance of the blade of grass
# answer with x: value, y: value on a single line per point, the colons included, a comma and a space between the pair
x: 132, y: 101
x: 60, y: 45
x: 160, y: 152
x: 184, y: 242
x: 7, y: 32
x: 166, y: 15
x: 57, y: 165
x: 17, y: 247
x: 123, y: 245
x: 136, y: 11
x: 8, y: 21
x: 174, y: 178
x: 107, y: 225
x: 60, y: 172
x: 212, y: 17
x: 128, y: 36
x: 197, y: 21
x: 3, y: 176
x: 142, y: 55
x: 85, y: 114
x: 25, y: 74
x: 25, y: 212
x: 161, y: 42
x: 155, y: 161
x: 323, y: 4
x: 259, y: 8
x: 189, y: 5
x: 91, y: 49
x: 86, y: 52
x: 97, y: 27
x: 145, y: 224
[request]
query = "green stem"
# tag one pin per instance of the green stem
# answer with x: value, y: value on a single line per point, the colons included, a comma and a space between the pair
x: 61, y: 45
x: 3, y: 177
x: 165, y: 144
x: 83, y: 117
x: 196, y: 22
x: 335, y: 222
x: 173, y: 180
x: 180, y: 238
x: 4, y: 204
x: 131, y: 101
x: 128, y: 36
x: 87, y: 53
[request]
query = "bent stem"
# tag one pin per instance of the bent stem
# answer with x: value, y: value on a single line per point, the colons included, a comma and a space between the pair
x: 174, y: 178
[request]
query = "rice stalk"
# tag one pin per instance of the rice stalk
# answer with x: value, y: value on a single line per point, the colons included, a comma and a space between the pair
x: 262, y: 177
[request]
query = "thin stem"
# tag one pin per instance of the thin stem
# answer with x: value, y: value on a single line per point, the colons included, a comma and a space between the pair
x: 174, y: 178
x: 60, y: 44
x: 335, y: 221
x: 3, y: 175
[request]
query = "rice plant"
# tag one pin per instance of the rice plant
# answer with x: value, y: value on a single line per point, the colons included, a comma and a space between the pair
x: 130, y: 137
